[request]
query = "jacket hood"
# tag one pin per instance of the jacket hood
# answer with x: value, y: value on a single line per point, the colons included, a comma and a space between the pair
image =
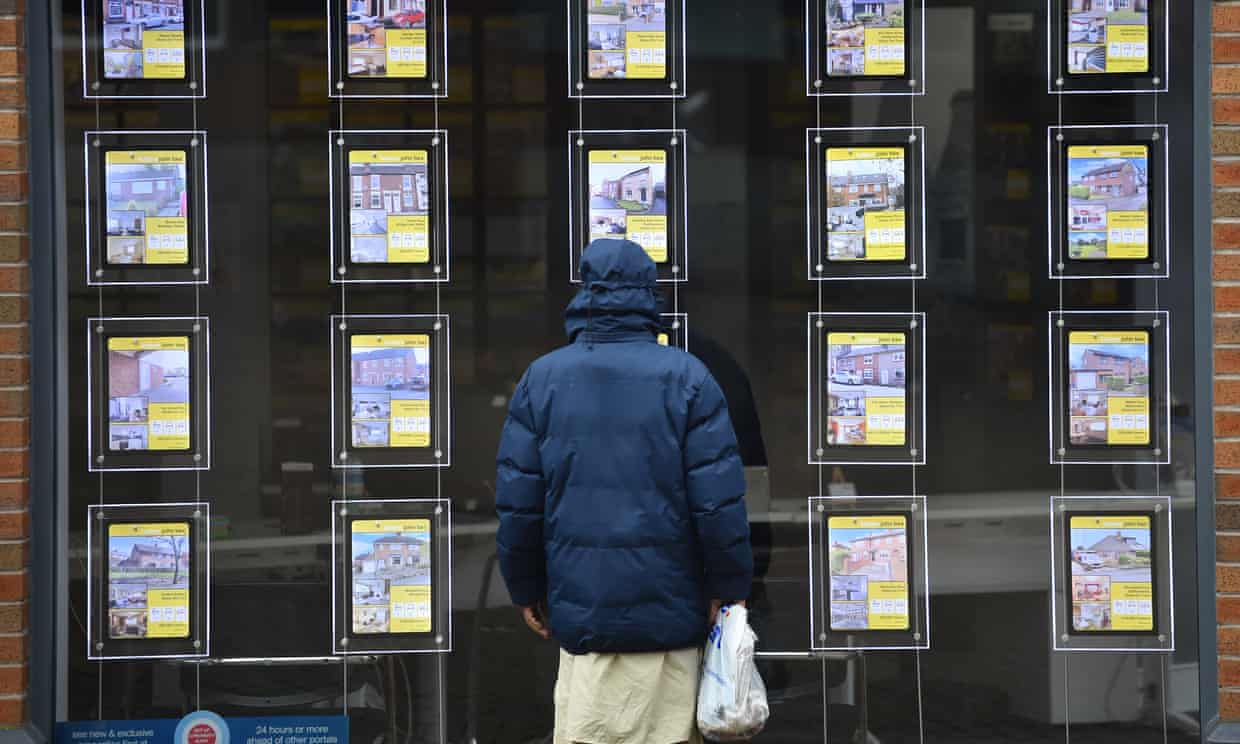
x: 618, y: 296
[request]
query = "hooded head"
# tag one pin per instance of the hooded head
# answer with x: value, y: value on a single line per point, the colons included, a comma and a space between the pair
x: 618, y: 295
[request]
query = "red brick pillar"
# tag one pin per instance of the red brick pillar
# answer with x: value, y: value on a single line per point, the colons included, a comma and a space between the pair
x: 14, y: 367
x: 1226, y: 169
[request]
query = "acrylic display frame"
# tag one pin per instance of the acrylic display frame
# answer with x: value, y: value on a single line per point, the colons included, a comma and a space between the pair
x: 1158, y: 324
x: 100, y: 647
x: 438, y: 267
x: 676, y: 326
x: 1155, y: 80
x: 101, y: 273
x: 440, y: 638
x: 581, y: 86
x: 1158, y: 229
x: 198, y: 457
x: 439, y: 390
x: 672, y: 141
x: 1162, y: 638
x: 818, y: 451
x: 434, y: 85
x: 917, y: 636
x: 192, y: 86
x: 819, y: 83
x: 817, y: 142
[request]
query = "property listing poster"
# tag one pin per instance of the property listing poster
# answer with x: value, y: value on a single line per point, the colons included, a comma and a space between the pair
x: 626, y: 39
x: 1108, y: 202
x: 865, y: 204
x: 865, y: 38
x: 1109, y: 387
x: 390, y: 404
x: 391, y: 576
x: 143, y: 39
x: 866, y: 382
x: 389, y: 206
x: 628, y: 198
x: 148, y: 393
x: 869, y: 572
x: 148, y: 580
x: 147, y: 207
x: 1112, y: 586
x: 387, y: 38
x: 1108, y: 36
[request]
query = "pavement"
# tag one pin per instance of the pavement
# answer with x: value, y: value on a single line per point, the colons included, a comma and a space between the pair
x: 656, y: 23
x: 1117, y: 574
x: 1136, y: 203
x: 402, y: 394
x: 869, y: 391
x: 658, y: 207
x: 175, y: 390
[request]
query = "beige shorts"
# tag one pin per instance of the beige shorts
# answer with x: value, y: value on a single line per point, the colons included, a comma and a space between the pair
x: 648, y: 698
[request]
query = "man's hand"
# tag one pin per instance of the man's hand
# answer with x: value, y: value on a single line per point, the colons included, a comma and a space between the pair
x: 715, y: 604
x: 535, y: 619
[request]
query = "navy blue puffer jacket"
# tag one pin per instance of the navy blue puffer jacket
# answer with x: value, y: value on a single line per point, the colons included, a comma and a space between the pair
x: 620, y: 492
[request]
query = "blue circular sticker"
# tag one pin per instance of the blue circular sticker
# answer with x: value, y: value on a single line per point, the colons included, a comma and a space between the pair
x: 201, y: 727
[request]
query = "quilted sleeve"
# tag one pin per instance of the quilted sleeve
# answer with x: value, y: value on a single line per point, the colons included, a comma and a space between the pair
x: 716, y: 488
x: 519, y: 501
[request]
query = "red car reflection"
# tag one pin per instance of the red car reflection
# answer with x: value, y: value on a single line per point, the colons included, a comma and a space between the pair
x: 409, y: 18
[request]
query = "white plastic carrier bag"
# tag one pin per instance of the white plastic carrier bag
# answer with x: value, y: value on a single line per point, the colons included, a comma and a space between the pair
x: 732, y: 698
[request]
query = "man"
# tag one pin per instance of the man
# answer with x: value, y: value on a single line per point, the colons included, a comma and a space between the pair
x: 622, y: 516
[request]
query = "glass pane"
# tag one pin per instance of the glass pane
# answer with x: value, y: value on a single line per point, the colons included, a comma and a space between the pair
x: 990, y: 674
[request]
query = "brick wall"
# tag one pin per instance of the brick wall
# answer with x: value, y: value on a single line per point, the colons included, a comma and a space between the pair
x: 1226, y: 230
x: 14, y: 366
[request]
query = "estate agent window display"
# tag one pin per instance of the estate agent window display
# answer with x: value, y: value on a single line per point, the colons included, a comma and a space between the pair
x: 392, y: 576
x: 391, y: 404
x: 148, y: 393
x: 1109, y: 387
x: 866, y: 389
x: 869, y: 573
x: 143, y: 49
x: 147, y: 208
x: 865, y: 49
x: 387, y: 49
x: 1109, y: 210
x: 1111, y: 560
x: 148, y: 581
x: 389, y: 206
x: 626, y: 49
x: 865, y: 200
x: 630, y: 185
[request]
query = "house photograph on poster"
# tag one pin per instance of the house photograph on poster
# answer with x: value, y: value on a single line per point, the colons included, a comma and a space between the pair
x: 1108, y: 36
x: 148, y: 580
x: 865, y: 37
x: 390, y: 395
x: 865, y: 201
x: 389, y: 206
x: 148, y: 394
x: 626, y: 39
x: 628, y: 198
x: 386, y: 38
x: 869, y: 572
x: 1111, y: 569
x: 1109, y: 388
x: 391, y: 576
x: 1108, y: 202
x: 147, y: 205
x: 143, y: 39
x: 866, y: 380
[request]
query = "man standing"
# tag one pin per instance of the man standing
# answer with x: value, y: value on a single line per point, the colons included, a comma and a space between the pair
x: 620, y: 496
